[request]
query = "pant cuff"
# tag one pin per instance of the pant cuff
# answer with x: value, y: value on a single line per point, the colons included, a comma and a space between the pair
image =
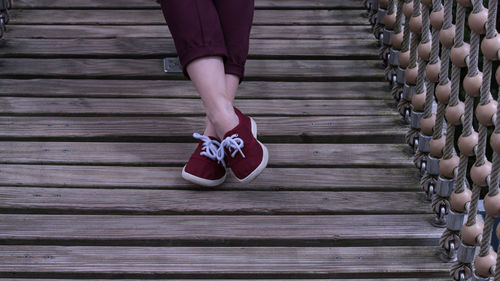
x: 236, y: 69
x: 198, y: 52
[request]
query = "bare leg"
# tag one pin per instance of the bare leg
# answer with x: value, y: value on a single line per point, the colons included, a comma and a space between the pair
x: 232, y: 82
x: 207, y: 74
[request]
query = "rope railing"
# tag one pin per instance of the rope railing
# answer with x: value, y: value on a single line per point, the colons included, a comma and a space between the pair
x: 432, y: 61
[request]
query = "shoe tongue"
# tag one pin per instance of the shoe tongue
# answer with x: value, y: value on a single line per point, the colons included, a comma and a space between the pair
x: 214, y: 138
x: 232, y: 131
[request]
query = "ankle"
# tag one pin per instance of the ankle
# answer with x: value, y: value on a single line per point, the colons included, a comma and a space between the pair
x: 224, y: 122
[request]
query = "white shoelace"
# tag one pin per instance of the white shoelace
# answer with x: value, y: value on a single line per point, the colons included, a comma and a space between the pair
x: 215, y: 150
x: 210, y: 148
x: 231, y: 142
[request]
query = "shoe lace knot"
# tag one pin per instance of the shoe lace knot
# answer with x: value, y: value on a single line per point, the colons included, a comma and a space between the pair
x: 210, y: 148
x: 232, y: 142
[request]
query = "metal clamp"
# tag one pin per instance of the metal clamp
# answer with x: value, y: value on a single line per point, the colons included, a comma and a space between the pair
x: 466, y: 253
x: 433, y: 166
x: 387, y: 39
x: 445, y: 187
x: 381, y: 15
x: 408, y: 92
x: 171, y: 65
x: 454, y: 221
x: 424, y: 142
x: 400, y: 75
x: 415, y: 119
x: 393, y: 57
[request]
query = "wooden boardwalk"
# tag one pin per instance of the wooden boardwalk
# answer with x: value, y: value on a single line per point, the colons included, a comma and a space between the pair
x: 93, y: 137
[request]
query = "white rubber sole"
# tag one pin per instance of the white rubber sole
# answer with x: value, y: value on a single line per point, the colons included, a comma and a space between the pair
x: 201, y: 181
x: 263, y: 163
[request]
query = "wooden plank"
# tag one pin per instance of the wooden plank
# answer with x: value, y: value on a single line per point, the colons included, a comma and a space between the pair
x: 160, y: 31
x: 173, y: 107
x: 160, y: 47
x: 149, y: 17
x: 213, y: 230
x: 99, y: 88
x: 339, y: 179
x: 303, y: 70
x: 143, y: 4
x: 210, y: 261
x: 119, y: 153
x: 330, y: 279
x: 157, y: 202
x: 373, y: 128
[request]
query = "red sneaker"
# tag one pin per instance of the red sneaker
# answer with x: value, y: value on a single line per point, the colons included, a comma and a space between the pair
x: 247, y: 121
x: 205, y: 166
x: 247, y: 156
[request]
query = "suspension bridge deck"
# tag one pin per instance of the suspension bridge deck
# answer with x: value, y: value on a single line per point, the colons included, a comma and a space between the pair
x: 93, y: 136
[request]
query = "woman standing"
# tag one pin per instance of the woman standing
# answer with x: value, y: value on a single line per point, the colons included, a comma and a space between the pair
x: 212, y: 40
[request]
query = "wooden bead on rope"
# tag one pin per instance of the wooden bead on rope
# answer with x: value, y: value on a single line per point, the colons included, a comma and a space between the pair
x: 383, y: 4
x: 443, y: 92
x: 495, y: 142
x: 490, y: 47
x: 447, y: 36
x: 418, y: 101
x: 467, y: 144
x: 472, y: 85
x: 471, y: 234
x: 411, y: 75
x: 427, y: 125
x: 397, y: 40
x: 484, y: 266
x: 478, y: 174
x: 492, y: 205
x: 404, y: 59
x: 477, y: 21
x: 424, y: 50
x: 485, y: 112
x: 408, y: 9
x: 432, y: 71
x: 436, y: 146
x: 454, y: 113
x: 447, y: 166
x: 465, y: 3
x: 459, y: 55
x: 459, y: 201
x: 390, y: 20
x: 436, y: 19
x: 427, y: 3
x: 416, y: 24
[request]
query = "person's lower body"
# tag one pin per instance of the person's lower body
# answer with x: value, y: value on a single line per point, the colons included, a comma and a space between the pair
x: 212, y: 41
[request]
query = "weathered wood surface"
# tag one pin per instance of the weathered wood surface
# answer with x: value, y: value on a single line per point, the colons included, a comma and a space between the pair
x: 151, y: 17
x: 94, y: 136
x: 194, y: 261
x: 259, y: 4
x: 315, y: 32
x: 130, y: 153
x: 367, y: 129
x: 334, y: 179
x: 300, y: 229
x: 160, y: 47
x: 99, y: 88
x: 173, y: 107
x: 294, y: 70
x: 329, y: 279
x: 145, y: 201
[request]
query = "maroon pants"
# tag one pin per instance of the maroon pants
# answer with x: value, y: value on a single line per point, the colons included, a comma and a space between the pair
x: 203, y: 28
